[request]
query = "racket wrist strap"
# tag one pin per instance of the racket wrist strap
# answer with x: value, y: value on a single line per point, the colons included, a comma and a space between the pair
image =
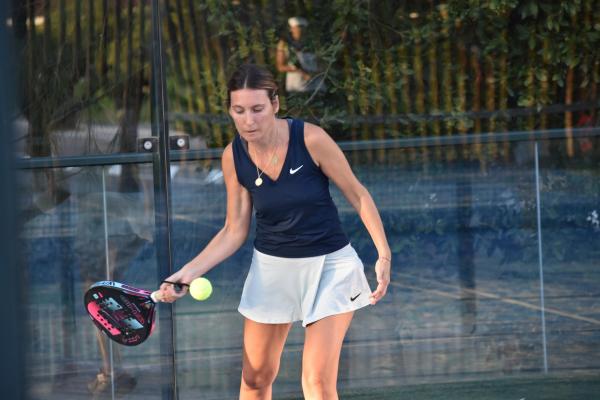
x: 176, y: 283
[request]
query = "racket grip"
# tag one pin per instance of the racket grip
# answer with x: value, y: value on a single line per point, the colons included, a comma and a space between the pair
x: 156, y: 296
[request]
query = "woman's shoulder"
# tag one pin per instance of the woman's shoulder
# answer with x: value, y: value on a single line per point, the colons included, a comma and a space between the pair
x: 318, y: 142
x: 232, y: 147
x: 313, y: 134
x: 227, y: 154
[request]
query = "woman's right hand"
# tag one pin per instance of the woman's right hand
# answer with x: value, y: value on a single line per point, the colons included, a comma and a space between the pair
x: 168, y: 291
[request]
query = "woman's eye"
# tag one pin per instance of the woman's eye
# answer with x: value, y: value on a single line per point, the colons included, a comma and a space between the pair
x: 257, y: 110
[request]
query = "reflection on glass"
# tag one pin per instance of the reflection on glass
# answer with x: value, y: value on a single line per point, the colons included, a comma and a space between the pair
x: 85, y: 84
x: 101, y: 229
x: 570, y: 203
x: 460, y: 240
x: 85, y: 76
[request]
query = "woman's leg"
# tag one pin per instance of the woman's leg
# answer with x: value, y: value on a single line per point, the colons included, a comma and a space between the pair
x: 263, y: 344
x: 322, y: 347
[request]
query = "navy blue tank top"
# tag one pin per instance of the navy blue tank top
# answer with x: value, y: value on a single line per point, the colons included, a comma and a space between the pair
x: 295, y: 214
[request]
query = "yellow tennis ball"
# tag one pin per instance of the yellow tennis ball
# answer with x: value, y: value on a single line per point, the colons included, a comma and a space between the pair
x: 200, y: 288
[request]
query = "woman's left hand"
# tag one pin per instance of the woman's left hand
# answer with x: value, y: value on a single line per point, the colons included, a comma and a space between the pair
x: 382, y: 269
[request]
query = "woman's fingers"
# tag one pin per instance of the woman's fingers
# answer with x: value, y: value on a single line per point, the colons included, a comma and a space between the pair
x: 379, y: 292
x: 169, y: 294
x: 382, y: 269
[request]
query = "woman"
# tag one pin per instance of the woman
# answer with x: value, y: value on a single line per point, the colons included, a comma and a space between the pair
x: 303, y: 267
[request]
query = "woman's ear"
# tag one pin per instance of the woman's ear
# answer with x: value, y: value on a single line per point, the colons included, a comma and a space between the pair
x: 275, y: 103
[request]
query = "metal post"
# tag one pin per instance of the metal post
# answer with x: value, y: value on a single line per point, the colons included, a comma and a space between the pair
x: 13, y: 336
x: 108, y: 275
x: 162, y: 199
x: 540, y: 258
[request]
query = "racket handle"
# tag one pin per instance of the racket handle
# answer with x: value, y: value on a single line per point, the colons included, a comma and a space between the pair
x: 156, y: 296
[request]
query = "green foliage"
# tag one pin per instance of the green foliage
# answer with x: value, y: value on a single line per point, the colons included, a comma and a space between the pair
x: 539, y: 41
x: 80, y: 62
x: 374, y: 56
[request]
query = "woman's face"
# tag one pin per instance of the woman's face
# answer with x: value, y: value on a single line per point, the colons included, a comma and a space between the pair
x: 253, y: 113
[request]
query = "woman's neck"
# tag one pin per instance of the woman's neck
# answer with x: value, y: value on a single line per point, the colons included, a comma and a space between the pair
x: 267, y: 143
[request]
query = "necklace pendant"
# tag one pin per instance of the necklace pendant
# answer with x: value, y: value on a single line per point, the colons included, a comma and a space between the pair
x: 258, y: 181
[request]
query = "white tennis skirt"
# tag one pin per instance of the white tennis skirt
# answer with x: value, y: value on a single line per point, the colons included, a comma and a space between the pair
x: 281, y: 290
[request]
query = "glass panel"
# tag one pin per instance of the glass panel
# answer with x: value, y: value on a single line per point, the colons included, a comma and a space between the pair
x: 465, y: 301
x: 570, y: 226
x: 85, y: 82
x: 82, y: 225
x: 464, y: 298
x: 84, y: 78
x: 208, y: 345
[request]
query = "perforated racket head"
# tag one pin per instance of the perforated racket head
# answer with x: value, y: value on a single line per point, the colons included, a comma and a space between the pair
x: 124, y: 313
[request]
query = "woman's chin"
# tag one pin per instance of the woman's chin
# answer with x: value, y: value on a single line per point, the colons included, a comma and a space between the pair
x: 251, y: 136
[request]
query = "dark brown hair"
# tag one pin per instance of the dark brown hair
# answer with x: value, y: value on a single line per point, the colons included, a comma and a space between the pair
x: 251, y: 76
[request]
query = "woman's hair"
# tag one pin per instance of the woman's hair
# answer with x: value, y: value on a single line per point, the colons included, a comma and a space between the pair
x: 251, y: 76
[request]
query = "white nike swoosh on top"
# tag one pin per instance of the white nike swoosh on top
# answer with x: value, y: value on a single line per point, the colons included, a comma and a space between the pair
x: 293, y: 171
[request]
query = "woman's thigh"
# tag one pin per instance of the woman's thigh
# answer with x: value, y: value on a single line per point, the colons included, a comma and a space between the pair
x: 263, y: 344
x: 322, y: 346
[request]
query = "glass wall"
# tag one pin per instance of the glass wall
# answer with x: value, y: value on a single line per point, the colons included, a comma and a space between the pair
x: 96, y: 231
x: 474, y: 128
x: 569, y: 197
x: 468, y: 299
x: 86, y: 181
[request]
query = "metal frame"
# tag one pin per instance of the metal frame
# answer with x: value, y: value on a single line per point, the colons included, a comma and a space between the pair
x: 162, y: 196
x: 193, y: 155
x: 14, y: 336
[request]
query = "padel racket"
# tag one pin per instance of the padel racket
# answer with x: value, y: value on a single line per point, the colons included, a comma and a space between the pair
x: 124, y: 313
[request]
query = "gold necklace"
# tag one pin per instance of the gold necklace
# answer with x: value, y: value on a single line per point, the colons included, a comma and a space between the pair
x: 272, y: 161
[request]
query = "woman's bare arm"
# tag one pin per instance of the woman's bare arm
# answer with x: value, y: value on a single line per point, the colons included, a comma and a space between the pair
x: 228, y: 240
x: 330, y: 158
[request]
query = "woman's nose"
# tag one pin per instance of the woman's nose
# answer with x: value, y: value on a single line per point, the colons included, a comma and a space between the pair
x: 248, y: 118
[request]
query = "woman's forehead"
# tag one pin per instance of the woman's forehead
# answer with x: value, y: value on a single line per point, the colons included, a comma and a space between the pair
x: 249, y: 97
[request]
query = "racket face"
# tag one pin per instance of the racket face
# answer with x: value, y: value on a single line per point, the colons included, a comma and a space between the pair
x: 123, y: 312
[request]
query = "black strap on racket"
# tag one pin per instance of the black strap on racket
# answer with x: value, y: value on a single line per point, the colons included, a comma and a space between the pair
x: 178, y: 285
